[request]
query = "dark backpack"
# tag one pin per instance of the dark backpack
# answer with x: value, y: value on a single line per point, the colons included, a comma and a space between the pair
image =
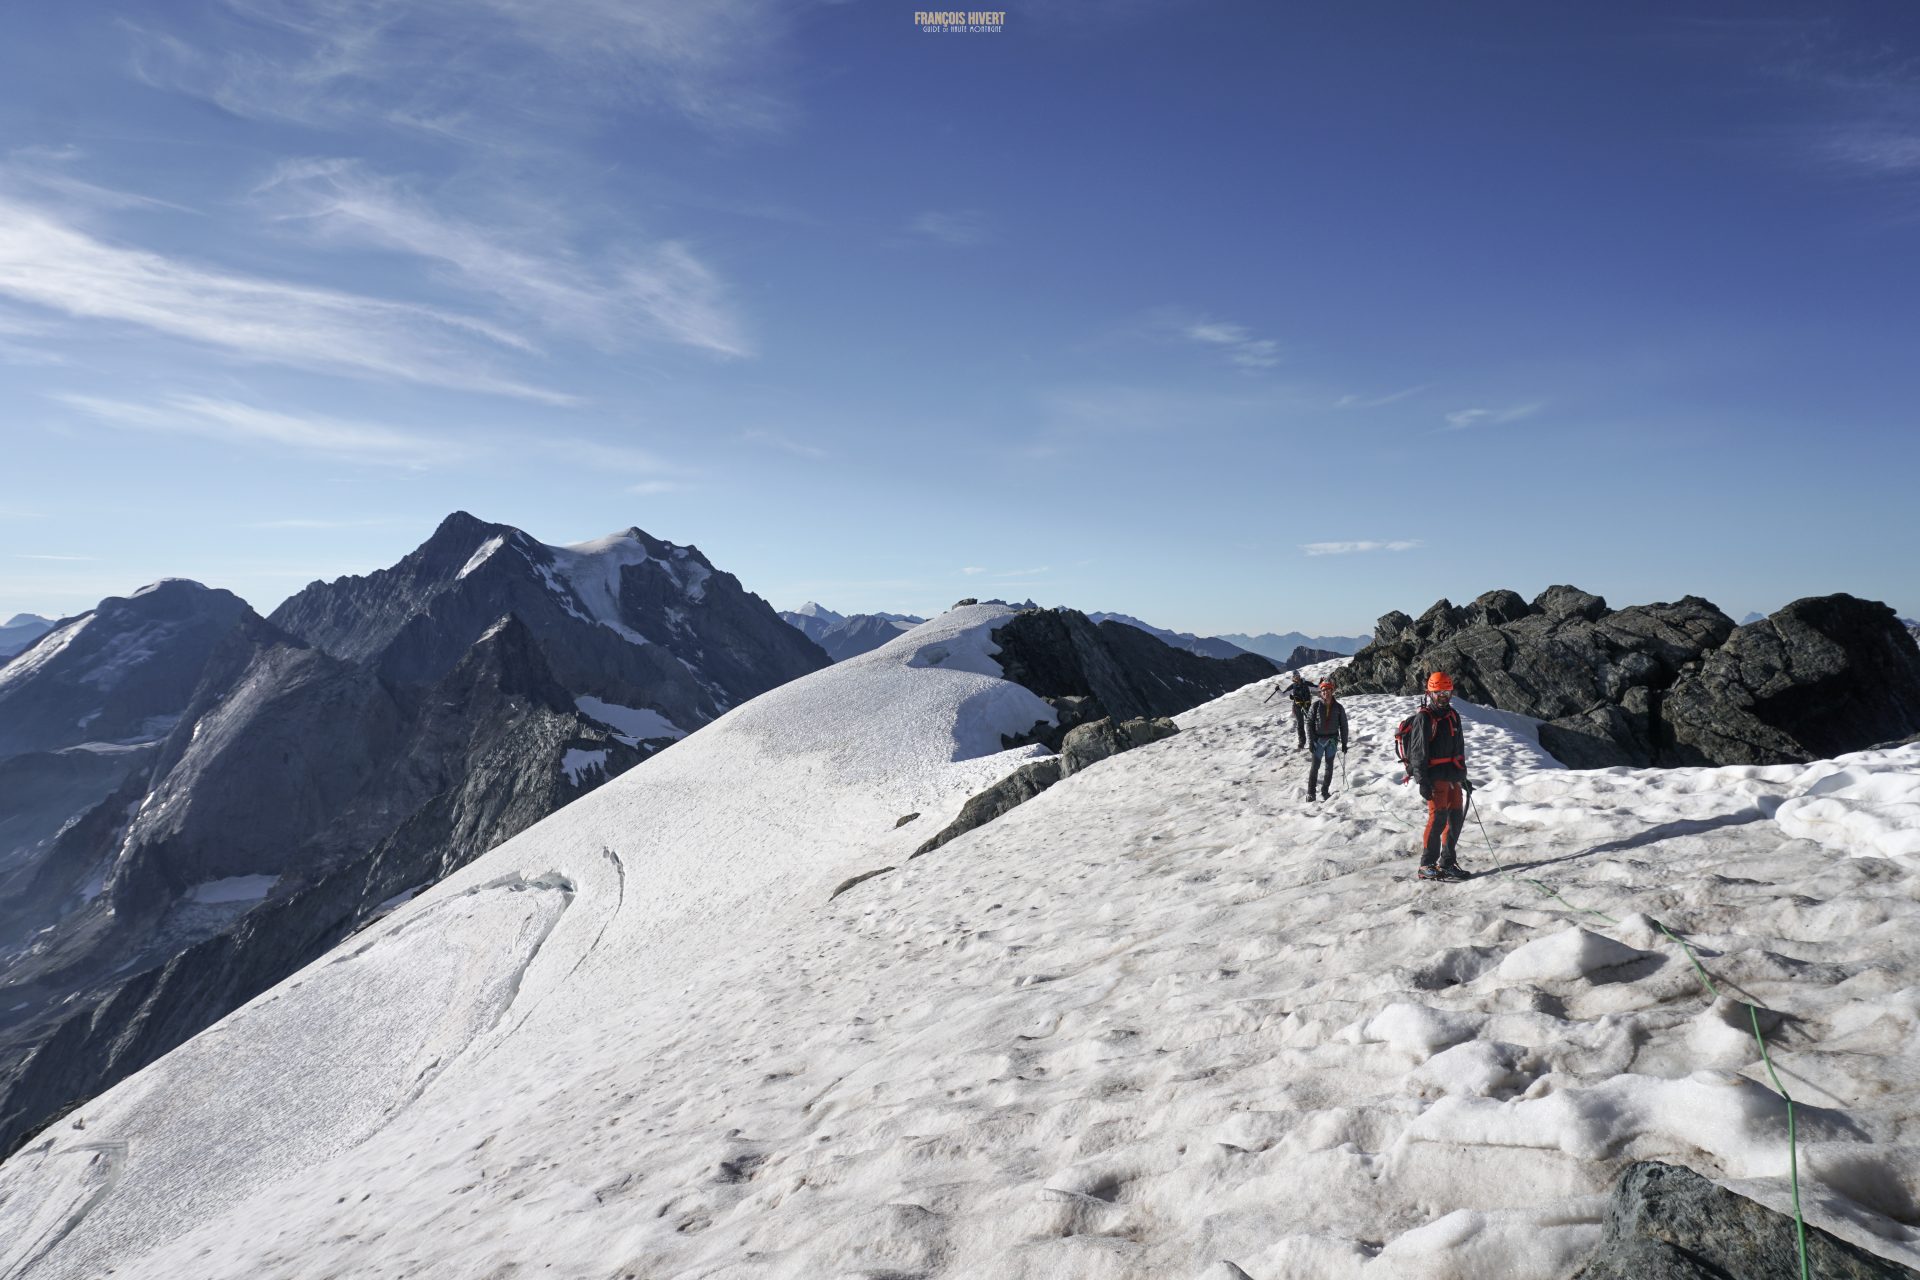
x: 1404, y: 734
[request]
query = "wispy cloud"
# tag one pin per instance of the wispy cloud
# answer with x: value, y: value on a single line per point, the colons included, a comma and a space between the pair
x: 649, y: 488
x: 1379, y: 402
x: 1352, y: 548
x: 478, y: 69
x: 786, y: 444
x: 47, y: 169
x: 236, y: 423
x: 23, y: 556
x: 972, y: 569
x: 1460, y: 419
x: 960, y: 228
x: 51, y: 263
x: 661, y: 291
x: 1236, y: 341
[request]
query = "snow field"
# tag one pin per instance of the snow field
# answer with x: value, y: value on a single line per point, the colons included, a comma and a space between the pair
x: 1167, y: 1019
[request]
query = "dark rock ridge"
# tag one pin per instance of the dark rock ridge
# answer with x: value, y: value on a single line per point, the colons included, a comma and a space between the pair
x: 1086, y: 745
x: 1665, y: 1222
x: 1663, y: 684
x: 1087, y: 671
x: 1277, y: 647
x: 1305, y: 657
x: 1205, y: 646
x: 312, y: 777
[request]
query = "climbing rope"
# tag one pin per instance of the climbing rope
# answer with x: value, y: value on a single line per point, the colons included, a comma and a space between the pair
x: 1759, y: 1039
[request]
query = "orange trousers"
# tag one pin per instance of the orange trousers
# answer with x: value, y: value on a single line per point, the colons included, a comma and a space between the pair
x: 1445, y: 813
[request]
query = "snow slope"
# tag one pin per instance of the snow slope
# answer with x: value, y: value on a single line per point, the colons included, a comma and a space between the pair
x: 1165, y: 1016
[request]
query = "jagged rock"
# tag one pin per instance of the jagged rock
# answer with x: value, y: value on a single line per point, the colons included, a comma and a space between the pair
x: 1821, y: 677
x: 1496, y: 607
x: 1018, y: 787
x: 1666, y: 1222
x: 1092, y: 743
x: 1390, y: 627
x: 905, y: 820
x: 1569, y: 602
x: 1304, y: 657
x: 963, y: 603
x: 1665, y: 684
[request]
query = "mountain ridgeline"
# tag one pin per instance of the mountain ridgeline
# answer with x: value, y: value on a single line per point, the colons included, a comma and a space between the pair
x: 220, y: 797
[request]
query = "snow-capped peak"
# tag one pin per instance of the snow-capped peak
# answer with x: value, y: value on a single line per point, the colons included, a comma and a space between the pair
x: 811, y: 609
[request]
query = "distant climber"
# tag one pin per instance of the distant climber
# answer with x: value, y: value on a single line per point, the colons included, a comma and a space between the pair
x: 1436, y: 749
x: 1300, y: 693
x: 1327, y: 729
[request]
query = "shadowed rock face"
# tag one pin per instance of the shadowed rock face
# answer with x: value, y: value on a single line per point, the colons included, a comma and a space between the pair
x: 1665, y: 1222
x: 1087, y: 670
x: 1663, y: 684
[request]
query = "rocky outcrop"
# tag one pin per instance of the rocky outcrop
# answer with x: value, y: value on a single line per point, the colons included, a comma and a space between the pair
x: 1087, y: 671
x: 1305, y: 657
x: 1662, y: 684
x: 1088, y: 744
x: 1018, y: 787
x: 1091, y: 743
x: 1665, y: 1222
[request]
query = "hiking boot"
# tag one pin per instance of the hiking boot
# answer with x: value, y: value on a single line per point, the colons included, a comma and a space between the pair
x: 1454, y: 871
x: 1428, y: 872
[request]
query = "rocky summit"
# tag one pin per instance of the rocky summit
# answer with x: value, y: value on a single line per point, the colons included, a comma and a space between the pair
x: 1663, y: 684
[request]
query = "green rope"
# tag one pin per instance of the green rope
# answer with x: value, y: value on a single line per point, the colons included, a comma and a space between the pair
x: 1793, y: 1148
x: 1753, y: 1015
x: 1568, y: 905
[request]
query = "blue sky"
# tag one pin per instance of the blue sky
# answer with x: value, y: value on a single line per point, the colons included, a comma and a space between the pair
x: 1233, y: 316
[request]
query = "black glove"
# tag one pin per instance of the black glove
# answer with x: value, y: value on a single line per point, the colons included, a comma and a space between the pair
x: 1426, y: 789
x: 1466, y: 785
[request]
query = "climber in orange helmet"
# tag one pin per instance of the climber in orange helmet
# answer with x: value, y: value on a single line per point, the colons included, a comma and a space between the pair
x: 1437, y: 761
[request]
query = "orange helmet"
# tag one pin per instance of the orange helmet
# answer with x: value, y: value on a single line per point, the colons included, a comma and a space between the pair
x: 1438, y: 682
x: 1326, y: 684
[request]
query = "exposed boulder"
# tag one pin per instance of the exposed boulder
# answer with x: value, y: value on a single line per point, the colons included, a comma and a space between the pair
x: 1018, y: 787
x: 1663, y: 684
x: 1086, y: 745
x: 1821, y: 677
x: 1666, y: 1222
x: 1092, y: 743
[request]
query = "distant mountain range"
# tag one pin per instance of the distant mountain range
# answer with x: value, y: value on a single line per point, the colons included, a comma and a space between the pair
x: 845, y: 636
x: 21, y: 630
x: 1280, y: 647
x: 196, y: 800
x: 1205, y: 646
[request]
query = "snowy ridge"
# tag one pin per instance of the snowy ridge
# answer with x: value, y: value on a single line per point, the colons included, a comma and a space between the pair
x: 48, y: 647
x: 1164, y: 1016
